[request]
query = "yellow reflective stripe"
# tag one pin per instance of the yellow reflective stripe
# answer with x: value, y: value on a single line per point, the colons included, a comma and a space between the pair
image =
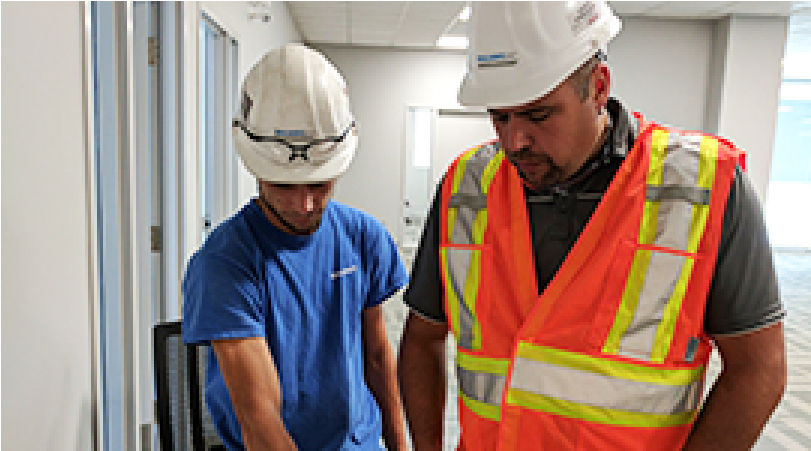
x: 481, y: 409
x: 611, y: 368
x: 650, y: 213
x: 706, y: 179
x: 490, y: 171
x: 471, y: 292
x: 630, y: 299
x: 480, y: 224
x: 664, y: 333
x: 453, y: 301
x: 596, y: 414
x: 709, y: 159
x: 657, y: 156
x: 483, y: 364
x: 458, y: 173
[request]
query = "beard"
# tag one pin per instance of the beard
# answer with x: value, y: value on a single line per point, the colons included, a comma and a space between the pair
x: 308, y: 230
x: 530, y: 166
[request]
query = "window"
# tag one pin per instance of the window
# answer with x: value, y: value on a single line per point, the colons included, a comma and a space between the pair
x: 790, y: 181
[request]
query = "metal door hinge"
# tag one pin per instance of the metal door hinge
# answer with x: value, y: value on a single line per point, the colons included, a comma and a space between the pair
x: 154, y: 51
x: 156, y: 238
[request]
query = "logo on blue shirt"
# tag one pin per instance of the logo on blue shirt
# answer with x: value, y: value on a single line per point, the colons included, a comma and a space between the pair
x: 343, y: 272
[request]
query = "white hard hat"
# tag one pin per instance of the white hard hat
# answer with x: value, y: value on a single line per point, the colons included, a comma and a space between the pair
x: 520, y: 51
x: 295, y: 124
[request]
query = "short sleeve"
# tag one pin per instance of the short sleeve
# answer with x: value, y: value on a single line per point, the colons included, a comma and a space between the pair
x: 221, y: 300
x: 744, y: 293
x: 385, y: 269
x: 424, y: 294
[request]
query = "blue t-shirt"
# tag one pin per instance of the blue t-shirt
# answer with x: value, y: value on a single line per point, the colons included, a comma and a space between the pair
x: 304, y: 295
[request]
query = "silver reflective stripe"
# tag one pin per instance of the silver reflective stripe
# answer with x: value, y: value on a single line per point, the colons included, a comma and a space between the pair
x: 662, y: 276
x: 482, y: 387
x: 468, y: 199
x: 459, y: 262
x: 682, y: 158
x: 473, y: 202
x: 602, y: 391
x: 463, y: 226
x: 694, y: 195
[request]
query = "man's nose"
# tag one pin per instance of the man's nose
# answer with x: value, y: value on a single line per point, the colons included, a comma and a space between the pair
x: 517, y: 135
x: 303, y: 200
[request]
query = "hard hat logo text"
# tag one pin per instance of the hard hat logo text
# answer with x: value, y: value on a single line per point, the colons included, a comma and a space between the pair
x: 500, y: 59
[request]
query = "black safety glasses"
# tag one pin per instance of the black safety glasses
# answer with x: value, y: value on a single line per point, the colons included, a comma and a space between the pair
x: 296, y: 150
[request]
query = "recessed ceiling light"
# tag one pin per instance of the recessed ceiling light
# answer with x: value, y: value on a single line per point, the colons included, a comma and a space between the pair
x: 464, y: 14
x: 452, y: 42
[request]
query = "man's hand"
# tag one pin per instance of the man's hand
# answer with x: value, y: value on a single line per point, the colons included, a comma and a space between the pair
x: 421, y: 370
x: 746, y: 393
x: 253, y: 384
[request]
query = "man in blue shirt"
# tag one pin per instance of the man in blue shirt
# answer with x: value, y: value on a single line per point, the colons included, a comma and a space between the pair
x: 288, y: 291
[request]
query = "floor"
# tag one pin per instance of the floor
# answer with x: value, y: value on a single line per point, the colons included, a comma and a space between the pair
x: 789, y: 427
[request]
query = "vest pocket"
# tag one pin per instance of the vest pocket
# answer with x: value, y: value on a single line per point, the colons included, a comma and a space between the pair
x: 651, y: 295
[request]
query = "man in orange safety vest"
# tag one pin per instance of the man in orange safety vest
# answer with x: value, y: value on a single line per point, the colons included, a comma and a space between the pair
x: 587, y: 261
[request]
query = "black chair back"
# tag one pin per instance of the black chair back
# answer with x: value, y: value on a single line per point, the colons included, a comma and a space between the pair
x: 184, y: 423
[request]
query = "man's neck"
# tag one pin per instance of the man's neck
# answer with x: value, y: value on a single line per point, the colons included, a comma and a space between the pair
x: 596, y: 149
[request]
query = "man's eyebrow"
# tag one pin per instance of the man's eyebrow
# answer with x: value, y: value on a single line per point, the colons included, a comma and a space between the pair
x: 538, y: 109
x: 527, y: 112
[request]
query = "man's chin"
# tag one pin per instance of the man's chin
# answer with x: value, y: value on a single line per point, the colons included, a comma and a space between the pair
x: 305, y: 227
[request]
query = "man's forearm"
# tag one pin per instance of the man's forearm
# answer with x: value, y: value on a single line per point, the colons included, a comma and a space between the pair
x: 255, y: 390
x: 381, y: 378
x: 737, y: 409
x: 421, y: 371
x: 263, y: 429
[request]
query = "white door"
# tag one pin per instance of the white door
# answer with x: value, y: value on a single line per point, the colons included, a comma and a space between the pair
x: 455, y: 132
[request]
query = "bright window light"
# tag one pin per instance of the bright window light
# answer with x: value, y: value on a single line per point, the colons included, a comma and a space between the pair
x: 452, y: 42
x: 422, y: 138
x: 795, y: 91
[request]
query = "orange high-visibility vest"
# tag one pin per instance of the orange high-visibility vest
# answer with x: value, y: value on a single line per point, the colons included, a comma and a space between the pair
x: 612, y: 354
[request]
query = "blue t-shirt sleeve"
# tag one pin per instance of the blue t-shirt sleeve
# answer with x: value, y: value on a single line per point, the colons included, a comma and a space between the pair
x: 385, y: 268
x: 221, y: 300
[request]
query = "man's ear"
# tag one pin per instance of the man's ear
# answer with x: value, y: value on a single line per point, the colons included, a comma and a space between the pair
x: 602, y: 84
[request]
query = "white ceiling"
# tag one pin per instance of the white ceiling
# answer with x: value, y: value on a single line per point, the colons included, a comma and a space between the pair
x: 420, y: 23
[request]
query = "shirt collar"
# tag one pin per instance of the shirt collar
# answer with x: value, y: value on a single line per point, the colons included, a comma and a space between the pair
x: 623, y: 129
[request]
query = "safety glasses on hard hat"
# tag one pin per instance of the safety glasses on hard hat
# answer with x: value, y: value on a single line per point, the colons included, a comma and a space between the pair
x: 314, y: 151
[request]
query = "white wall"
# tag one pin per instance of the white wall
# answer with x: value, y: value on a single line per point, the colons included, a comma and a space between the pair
x: 660, y: 68
x: 382, y: 84
x: 748, y: 100
x: 46, y: 354
x: 255, y: 38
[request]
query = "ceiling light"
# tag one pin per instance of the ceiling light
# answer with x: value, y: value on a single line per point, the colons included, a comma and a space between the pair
x: 452, y: 42
x: 464, y: 14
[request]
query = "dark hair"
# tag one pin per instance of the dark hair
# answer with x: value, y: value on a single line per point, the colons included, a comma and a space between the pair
x: 581, y: 76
